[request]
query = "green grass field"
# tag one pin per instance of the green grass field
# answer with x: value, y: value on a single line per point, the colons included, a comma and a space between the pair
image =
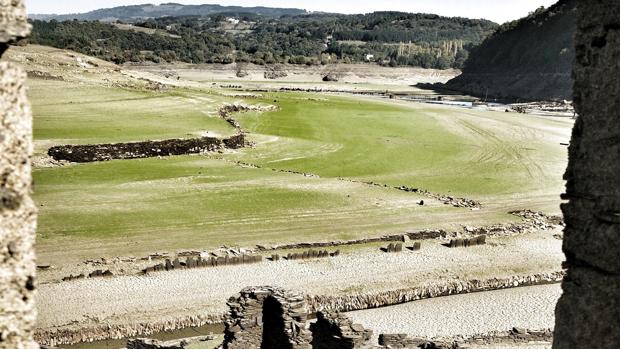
x: 67, y: 113
x: 442, y: 149
x: 135, y: 207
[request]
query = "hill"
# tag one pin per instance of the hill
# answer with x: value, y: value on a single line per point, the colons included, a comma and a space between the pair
x: 389, y: 38
x: 141, y: 12
x: 527, y: 59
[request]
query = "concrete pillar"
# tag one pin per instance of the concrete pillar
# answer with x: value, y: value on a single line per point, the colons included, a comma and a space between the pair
x: 17, y: 211
x: 589, y: 311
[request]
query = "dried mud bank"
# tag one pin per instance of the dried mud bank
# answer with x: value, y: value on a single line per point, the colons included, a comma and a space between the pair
x: 346, y: 303
x: 102, y: 331
x: 95, y: 331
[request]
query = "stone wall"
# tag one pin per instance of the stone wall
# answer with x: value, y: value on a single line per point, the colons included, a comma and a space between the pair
x: 267, y: 318
x: 345, y: 303
x: 17, y: 211
x: 588, y: 312
x: 273, y: 318
x: 148, y: 149
x: 336, y: 331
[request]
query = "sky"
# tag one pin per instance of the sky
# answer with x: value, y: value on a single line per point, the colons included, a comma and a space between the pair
x: 498, y: 11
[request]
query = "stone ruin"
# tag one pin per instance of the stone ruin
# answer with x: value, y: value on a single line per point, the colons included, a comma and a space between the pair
x: 267, y: 318
x: 475, y: 241
x: 140, y: 150
x: 310, y: 254
x: 336, y: 331
x: 273, y: 318
x: 200, y: 262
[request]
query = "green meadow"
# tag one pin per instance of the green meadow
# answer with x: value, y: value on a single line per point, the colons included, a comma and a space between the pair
x: 69, y: 113
x: 506, y: 161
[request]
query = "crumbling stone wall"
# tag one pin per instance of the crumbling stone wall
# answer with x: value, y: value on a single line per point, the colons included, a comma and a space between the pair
x: 147, y: 149
x: 267, y: 318
x: 336, y: 331
x: 17, y: 211
x: 588, y: 312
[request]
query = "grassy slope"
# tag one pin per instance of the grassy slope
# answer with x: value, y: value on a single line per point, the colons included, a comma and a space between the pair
x: 83, y: 114
x: 141, y: 206
x: 442, y: 149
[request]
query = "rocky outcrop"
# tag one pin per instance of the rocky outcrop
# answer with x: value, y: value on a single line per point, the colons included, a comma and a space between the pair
x: 529, y: 59
x: 588, y: 311
x: 138, y: 150
x: 17, y: 210
x: 344, y: 303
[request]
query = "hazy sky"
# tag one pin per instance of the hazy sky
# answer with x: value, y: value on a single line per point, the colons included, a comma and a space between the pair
x: 496, y: 10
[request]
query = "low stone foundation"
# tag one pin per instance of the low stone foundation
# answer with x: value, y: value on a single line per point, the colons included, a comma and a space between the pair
x: 345, y: 303
x: 138, y: 150
x: 200, y: 262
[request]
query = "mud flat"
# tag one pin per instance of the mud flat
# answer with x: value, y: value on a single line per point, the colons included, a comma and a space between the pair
x: 101, y: 308
x: 467, y: 315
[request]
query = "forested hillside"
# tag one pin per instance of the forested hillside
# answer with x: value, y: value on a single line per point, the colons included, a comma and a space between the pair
x: 528, y: 59
x: 141, y: 12
x: 389, y: 38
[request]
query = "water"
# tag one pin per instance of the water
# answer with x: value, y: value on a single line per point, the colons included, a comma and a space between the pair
x: 164, y: 336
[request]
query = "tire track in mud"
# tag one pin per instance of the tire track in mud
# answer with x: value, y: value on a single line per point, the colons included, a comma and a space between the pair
x: 499, y: 150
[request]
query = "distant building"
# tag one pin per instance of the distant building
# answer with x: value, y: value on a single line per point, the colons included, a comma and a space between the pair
x: 233, y: 21
x: 370, y: 57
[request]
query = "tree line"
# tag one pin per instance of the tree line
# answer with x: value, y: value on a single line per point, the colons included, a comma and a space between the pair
x: 389, y: 38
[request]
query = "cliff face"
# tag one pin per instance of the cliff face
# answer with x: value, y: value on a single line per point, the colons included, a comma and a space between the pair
x: 529, y: 59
